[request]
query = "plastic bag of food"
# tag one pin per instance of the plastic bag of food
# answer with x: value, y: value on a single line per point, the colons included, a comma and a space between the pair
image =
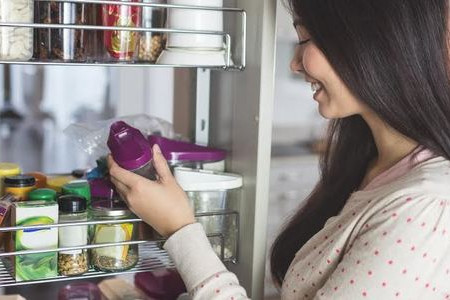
x: 92, y: 137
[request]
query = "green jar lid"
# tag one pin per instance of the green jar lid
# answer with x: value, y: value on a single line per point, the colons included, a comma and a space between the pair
x: 42, y: 194
x: 80, y: 188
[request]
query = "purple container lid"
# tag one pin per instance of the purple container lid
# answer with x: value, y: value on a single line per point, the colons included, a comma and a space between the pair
x: 128, y: 146
x: 183, y: 151
x: 102, y: 188
x: 80, y: 290
x: 161, y: 284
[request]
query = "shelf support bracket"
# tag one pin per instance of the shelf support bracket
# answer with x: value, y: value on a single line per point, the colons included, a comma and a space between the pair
x: 202, y: 107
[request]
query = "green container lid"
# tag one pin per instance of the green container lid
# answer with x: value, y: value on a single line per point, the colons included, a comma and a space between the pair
x: 42, y: 194
x: 80, y: 188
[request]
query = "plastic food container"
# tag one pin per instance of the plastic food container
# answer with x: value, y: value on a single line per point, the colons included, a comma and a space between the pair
x: 115, y: 258
x: 101, y: 189
x: 130, y: 149
x: 80, y: 291
x: 188, y: 155
x: 160, y: 284
x: 121, y: 45
x: 16, y: 43
x: 217, y: 193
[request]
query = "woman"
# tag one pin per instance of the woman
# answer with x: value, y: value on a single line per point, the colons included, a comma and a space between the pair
x: 377, y: 225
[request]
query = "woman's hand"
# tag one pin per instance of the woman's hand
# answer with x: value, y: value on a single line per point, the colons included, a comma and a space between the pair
x: 162, y: 204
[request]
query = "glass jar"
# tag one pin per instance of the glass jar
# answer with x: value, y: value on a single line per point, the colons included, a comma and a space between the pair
x: 73, y: 208
x: 7, y: 169
x: 80, y: 188
x: 62, y: 44
x: 17, y: 42
x: 121, y: 45
x: 151, y: 44
x: 114, y: 258
x: 19, y: 186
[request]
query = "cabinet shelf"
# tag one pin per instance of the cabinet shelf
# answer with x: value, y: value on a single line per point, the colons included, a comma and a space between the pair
x: 234, y: 44
x: 151, y: 254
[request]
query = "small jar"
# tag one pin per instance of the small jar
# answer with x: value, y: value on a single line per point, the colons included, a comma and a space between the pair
x: 42, y: 195
x: 80, y: 188
x: 7, y: 169
x: 19, y: 186
x: 72, y: 209
x: 151, y: 44
x: 41, y: 179
x: 115, y: 258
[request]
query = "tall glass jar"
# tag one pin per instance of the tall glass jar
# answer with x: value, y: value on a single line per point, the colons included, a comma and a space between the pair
x: 16, y: 43
x: 151, y: 44
x: 62, y: 44
x: 119, y: 44
x: 72, y: 209
x: 114, y: 258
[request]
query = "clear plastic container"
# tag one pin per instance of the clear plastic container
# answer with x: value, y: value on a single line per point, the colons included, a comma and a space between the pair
x: 119, y: 44
x: 114, y: 258
x: 16, y: 43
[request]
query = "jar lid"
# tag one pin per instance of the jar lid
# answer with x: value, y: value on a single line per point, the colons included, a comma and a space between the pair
x: 72, y: 204
x: 20, y: 180
x: 9, y: 169
x: 110, y: 208
x: 42, y: 194
x: 80, y: 188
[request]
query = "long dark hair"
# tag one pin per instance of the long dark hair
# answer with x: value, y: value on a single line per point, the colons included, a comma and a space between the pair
x: 393, y: 56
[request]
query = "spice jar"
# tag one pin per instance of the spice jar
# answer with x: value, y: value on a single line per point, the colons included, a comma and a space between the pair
x: 64, y: 44
x: 17, y: 42
x: 115, y: 258
x: 121, y: 45
x: 41, y: 179
x: 20, y: 186
x: 7, y: 169
x: 80, y: 188
x: 72, y: 209
x: 151, y: 44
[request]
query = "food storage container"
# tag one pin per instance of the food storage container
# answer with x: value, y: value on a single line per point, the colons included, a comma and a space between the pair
x: 114, y: 258
x: 151, y: 44
x: 130, y: 149
x: 160, y: 284
x: 42, y: 194
x: 16, y: 43
x: 41, y: 265
x: 121, y: 45
x: 80, y: 291
x: 19, y: 186
x: 183, y: 154
x: 7, y: 169
x: 101, y: 189
x: 62, y: 44
x: 213, y: 194
x: 80, y: 188
x: 72, y: 209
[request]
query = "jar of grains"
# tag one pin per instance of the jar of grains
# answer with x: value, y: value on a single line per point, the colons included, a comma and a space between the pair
x: 114, y: 258
x: 16, y: 42
x: 151, y: 44
x: 72, y: 209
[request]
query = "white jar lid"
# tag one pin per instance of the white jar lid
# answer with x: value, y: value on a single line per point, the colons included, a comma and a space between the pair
x: 192, y: 180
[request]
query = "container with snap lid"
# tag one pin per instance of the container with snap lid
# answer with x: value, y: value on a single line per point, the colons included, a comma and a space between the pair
x: 114, y: 258
x: 19, y: 186
x: 73, y: 208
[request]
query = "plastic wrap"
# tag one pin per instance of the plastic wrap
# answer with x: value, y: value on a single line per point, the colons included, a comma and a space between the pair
x: 92, y: 137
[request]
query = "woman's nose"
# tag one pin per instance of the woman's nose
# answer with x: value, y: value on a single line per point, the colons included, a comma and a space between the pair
x: 296, y: 62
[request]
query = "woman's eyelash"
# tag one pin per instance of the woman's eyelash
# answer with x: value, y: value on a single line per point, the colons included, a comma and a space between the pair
x: 303, y: 41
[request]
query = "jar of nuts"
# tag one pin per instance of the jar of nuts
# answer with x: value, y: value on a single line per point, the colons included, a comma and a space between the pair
x: 72, y: 208
x: 151, y: 44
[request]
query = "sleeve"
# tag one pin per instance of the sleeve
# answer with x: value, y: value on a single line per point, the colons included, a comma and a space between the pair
x: 205, y: 276
x: 401, y: 252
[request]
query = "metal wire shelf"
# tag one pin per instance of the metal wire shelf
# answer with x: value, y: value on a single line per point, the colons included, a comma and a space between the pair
x: 229, y: 56
x: 151, y: 254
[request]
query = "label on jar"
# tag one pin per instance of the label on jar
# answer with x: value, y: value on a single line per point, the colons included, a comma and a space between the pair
x: 113, y: 234
x: 73, y: 236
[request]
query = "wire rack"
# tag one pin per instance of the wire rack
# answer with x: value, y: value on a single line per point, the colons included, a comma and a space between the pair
x: 151, y: 254
x: 234, y: 43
